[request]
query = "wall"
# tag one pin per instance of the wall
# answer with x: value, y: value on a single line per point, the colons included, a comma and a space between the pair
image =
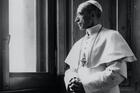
x: 136, y: 42
x: 4, y: 40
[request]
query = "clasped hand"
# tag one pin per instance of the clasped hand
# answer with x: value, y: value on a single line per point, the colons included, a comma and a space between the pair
x: 75, y: 86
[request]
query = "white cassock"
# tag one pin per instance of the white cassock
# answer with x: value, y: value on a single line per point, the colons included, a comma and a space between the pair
x: 105, y: 53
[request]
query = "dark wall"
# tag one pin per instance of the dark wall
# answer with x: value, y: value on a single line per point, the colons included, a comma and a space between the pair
x: 136, y: 42
x: 4, y: 40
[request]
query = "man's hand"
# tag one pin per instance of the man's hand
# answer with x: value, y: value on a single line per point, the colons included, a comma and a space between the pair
x: 75, y: 86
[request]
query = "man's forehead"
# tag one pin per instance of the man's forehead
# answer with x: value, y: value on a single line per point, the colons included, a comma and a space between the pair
x: 82, y: 6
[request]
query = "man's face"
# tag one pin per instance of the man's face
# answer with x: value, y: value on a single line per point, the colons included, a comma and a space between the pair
x: 84, y: 19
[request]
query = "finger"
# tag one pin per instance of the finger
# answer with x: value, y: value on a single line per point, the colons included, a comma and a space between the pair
x: 78, y: 87
x: 72, y: 88
x: 75, y: 84
x: 71, y: 79
x: 71, y: 83
x: 74, y: 79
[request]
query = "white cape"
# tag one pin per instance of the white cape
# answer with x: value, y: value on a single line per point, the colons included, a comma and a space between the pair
x: 109, y: 46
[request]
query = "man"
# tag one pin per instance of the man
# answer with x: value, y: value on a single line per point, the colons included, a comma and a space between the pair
x: 98, y: 60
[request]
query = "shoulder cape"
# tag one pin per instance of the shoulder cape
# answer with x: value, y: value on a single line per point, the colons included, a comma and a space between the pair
x: 109, y: 46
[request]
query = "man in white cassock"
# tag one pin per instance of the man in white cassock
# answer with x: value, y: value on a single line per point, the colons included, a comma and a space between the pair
x: 97, y: 62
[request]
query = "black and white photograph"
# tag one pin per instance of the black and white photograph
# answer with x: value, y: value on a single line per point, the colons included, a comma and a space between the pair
x: 69, y: 46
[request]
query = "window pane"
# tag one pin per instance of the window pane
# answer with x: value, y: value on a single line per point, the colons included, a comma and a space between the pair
x: 22, y: 28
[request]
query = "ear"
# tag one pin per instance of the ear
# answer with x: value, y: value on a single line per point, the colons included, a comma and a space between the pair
x: 92, y: 14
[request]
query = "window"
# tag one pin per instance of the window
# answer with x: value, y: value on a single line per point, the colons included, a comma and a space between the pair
x: 30, y: 19
x: 28, y: 41
x: 23, y: 35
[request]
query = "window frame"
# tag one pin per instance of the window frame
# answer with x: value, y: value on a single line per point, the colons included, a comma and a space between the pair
x: 4, y: 41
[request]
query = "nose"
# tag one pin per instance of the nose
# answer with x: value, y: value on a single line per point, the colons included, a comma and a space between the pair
x: 77, y: 19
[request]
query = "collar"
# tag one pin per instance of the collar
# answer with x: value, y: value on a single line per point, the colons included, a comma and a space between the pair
x: 94, y: 29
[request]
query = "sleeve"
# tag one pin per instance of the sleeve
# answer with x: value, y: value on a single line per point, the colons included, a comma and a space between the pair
x: 112, y: 76
x: 72, y: 58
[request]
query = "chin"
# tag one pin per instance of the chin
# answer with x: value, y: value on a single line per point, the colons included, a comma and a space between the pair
x: 81, y: 28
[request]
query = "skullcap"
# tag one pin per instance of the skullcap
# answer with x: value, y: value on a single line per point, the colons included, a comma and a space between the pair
x: 95, y: 3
